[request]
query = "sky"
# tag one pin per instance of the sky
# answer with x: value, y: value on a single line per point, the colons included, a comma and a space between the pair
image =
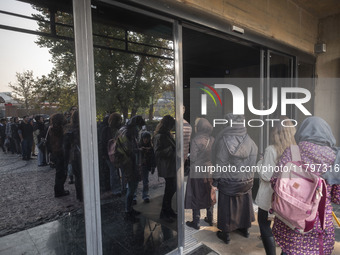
x: 18, y: 52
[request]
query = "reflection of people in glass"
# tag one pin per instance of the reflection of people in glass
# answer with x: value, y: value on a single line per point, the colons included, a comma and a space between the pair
x: 198, y: 191
x: 234, y: 149
x: 165, y: 153
x: 147, y: 163
x: 109, y: 132
x: 127, y: 147
x: 26, y: 136
x: 280, y: 138
x: 55, y: 141
x: 72, y: 152
x: 39, y: 133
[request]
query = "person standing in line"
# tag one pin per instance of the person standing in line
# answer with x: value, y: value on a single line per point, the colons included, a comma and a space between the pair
x: 281, y: 137
x: 165, y: 154
x: 317, y: 147
x: 198, y: 191
x: 15, y: 135
x: 55, y: 141
x: 234, y: 149
x: 39, y: 132
x: 109, y: 132
x: 147, y: 163
x: 127, y: 147
x: 3, y: 134
x: 72, y: 152
x: 26, y: 137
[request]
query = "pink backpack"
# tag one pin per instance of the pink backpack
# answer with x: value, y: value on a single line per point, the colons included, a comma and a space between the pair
x: 299, y: 196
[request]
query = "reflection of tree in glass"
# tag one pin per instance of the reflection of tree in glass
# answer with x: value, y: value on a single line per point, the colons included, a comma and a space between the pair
x: 23, y: 89
x: 130, y: 68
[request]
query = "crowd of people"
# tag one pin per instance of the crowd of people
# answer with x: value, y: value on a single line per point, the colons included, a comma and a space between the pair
x: 136, y: 152
x: 234, y: 147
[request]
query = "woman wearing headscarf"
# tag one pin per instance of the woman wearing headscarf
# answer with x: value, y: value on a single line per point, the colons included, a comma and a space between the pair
x: 165, y: 155
x: 198, y: 191
x: 233, y: 150
x: 317, y: 146
x: 127, y: 146
x: 281, y: 137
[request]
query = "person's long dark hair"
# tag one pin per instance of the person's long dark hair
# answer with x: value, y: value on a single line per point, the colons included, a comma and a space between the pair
x: 165, y: 125
x: 57, y: 121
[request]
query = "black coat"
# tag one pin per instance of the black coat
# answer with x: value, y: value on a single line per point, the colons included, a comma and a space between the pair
x: 165, y: 154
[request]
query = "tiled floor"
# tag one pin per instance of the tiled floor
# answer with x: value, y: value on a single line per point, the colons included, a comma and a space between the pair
x: 67, y: 236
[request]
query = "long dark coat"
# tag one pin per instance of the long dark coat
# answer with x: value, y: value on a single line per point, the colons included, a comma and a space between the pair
x: 198, y: 188
x: 234, y: 148
x: 165, y: 154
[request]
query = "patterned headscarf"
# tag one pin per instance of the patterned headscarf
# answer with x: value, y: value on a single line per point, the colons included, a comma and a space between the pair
x: 317, y: 131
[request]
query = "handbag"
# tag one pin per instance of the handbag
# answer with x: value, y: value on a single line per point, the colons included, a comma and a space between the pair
x: 42, y: 143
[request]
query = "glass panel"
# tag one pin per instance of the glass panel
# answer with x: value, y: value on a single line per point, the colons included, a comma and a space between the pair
x: 40, y: 176
x: 281, y: 66
x: 306, y: 80
x: 134, y: 76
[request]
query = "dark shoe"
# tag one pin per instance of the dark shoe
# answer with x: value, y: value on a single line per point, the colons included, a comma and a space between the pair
x: 62, y: 194
x: 192, y: 224
x: 172, y: 214
x: 166, y: 217
x: 223, y: 236
x: 209, y: 221
x: 244, y: 232
x: 34, y: 155
x: 134, y: 202
x: 269, y: 245
x: 134, y: 212
x: 146, y: 200
x: 130, y: 217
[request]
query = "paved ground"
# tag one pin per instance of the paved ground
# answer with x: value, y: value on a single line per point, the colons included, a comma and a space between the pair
x: 27, y: 196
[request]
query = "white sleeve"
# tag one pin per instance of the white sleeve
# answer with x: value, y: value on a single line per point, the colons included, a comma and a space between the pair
x: 268, y: 164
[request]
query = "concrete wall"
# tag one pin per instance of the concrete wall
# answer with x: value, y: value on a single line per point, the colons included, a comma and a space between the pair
x: 282, y: 20
x: 327, y: 91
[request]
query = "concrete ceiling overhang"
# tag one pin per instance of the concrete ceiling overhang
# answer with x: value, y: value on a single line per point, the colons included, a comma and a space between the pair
x: 320, y: 8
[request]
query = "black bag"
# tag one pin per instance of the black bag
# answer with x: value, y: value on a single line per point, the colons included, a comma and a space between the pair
x: 41, y: 145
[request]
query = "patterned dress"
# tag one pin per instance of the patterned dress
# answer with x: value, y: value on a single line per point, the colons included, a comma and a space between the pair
x: 292, y: 242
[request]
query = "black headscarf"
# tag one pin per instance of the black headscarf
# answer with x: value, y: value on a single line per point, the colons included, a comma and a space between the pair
x: 317, y: 131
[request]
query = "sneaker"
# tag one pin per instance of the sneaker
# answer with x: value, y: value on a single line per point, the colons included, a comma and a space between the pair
x: 146, y: 200
x: 192, y: 224
x: 223, y: 236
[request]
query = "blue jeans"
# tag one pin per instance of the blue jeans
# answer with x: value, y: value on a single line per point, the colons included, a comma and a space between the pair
x: 116, y: 186
x: 41, y: 157
x: 132, y: 187
x: 145, y: 179
x: 26, y: 148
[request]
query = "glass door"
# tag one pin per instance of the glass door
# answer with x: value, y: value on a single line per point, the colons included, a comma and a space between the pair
x: 135, y: 89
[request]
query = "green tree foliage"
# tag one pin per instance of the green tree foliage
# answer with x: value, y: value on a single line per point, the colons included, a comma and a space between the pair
x: 124, y: 81
x: 23, y: 89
